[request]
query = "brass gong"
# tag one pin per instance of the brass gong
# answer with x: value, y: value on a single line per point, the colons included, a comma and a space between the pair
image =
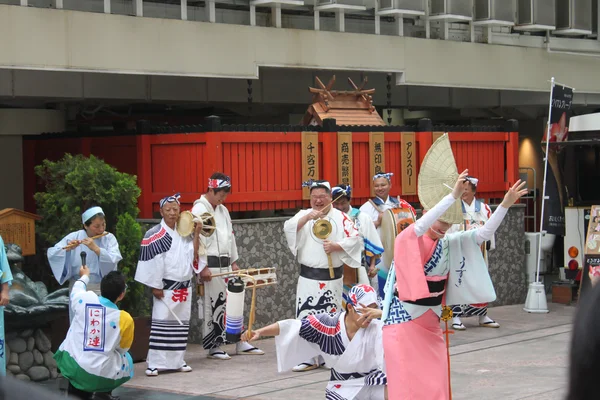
x: 322, y: 229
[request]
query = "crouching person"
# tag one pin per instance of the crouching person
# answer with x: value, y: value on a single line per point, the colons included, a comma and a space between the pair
x: 93, y: 356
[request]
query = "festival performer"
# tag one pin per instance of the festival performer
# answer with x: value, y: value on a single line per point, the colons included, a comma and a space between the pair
x: 349, y: 342
x: 424, y: 259
x: 366, y: 229
x: 374, y: 208
x: 102, y: 253
x: 476, y: 213
x: 221, y: 255
x: 165, y: 265
x: 93, y: 357
x: 317, y: 292
x: 5, y: 281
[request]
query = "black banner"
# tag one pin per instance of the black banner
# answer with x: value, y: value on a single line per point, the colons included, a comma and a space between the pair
x: 554, y: 216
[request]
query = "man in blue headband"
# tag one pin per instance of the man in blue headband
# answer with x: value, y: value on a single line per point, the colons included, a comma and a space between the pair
x: 375, y: 208
x: 320, y: 288
x: 475, y: 213
x: 366, y: 229
x: 165, y: 265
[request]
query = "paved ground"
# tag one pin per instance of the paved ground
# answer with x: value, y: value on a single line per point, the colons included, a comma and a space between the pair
x: 527, y: 358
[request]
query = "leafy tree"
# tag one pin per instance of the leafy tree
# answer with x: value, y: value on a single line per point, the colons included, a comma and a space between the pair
x: 75, y: 183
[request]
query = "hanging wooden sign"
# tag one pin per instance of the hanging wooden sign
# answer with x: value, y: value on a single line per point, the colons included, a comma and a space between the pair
x: 344, y: 140
x: 310, y: 160
x: 408, y: 161
x: 376, y: 154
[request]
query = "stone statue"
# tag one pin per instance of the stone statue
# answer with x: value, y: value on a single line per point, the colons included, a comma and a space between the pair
x: 31, y: 305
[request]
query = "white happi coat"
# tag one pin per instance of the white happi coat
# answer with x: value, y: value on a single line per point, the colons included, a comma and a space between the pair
x: 357, y: 365
x: 373, y: 213
x: 322, y: 296
x: 166, y: 263
x: 66, y: 264
x: 93, y: 356
x: 220, y: 244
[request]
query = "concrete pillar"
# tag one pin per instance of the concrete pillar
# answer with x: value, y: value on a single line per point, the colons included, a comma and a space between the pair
x: 14, y: 124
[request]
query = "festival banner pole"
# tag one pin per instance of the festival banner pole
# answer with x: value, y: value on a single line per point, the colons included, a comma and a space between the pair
x: 539, y: 249
x: 536, y: 294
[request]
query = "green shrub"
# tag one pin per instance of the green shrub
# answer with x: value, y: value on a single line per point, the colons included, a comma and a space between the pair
x: 76, y: 183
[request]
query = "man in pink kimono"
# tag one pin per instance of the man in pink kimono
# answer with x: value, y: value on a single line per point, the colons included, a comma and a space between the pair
x: 430, y: 266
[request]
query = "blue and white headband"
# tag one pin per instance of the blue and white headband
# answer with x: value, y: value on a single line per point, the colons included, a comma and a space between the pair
x: 474, y: 181
x: 313, y: 184
x: 170, y: 199
x: 386, y: 175
x: 362, y: 296
x: 336, y: 191
x: 90, y: 212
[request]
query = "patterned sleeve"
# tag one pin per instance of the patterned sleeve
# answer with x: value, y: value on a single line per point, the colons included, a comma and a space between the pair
x: 150, y: 269
x: 325, y: 331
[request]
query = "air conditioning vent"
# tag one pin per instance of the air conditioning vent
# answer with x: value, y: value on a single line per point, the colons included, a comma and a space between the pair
x: 407, y: 8
x: 574, y: 17
x: 498, y: 12
x: 536, y: 15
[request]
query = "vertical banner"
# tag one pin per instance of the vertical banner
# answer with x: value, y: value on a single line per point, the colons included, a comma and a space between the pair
x: 408, y: 162
x: 591, y: 259
x: 310, y: 159
x: 376, y: 154
x: 560, y: 110
x: 344, y: 140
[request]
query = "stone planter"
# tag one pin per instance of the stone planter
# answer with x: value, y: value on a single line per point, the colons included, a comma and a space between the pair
x: 29, y: 355
x: 139, y: 348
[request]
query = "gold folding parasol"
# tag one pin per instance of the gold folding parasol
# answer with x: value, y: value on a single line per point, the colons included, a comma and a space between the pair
x: 437, y: 171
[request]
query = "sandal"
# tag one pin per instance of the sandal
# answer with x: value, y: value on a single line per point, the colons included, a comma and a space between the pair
x: 459, y: 327
x: 303, y: 367
x: 490, y: 324
x: 254, y: 351
x: 219, y: 355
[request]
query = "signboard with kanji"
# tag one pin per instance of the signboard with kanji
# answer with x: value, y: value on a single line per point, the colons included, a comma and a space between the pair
x: 310, y: 160
x: 408, y: 161
x: 376, y: 154
x: 18, y: 227
x: 344, y: 140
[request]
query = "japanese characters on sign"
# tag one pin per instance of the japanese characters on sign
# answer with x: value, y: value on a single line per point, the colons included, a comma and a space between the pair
x: 310, y: 159
x: 345, y: 158
x: 408, y: 162
x: 377, y: 154
x: 93, y: 330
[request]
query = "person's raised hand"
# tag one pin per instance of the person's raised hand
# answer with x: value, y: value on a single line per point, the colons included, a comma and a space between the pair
x: 461, y: 185
x: 514, y: 194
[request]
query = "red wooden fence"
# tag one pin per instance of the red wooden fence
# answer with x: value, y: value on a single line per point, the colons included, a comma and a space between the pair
x: 265, y: 167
